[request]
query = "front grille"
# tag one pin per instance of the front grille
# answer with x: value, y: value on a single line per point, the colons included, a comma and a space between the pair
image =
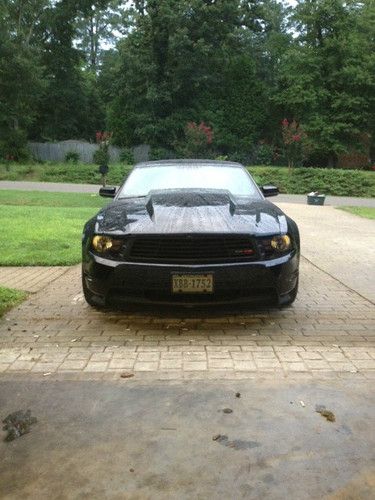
x: 199, y: 249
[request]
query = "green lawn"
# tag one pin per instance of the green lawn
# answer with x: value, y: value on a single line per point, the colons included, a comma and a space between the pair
x: 10, y: 298
x: 338, y: 182
x: 367, y: 212
x: 43, y: 228
x: 41, y: 198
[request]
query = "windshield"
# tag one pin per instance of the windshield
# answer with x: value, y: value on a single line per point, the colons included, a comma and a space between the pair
x: 145, y: 179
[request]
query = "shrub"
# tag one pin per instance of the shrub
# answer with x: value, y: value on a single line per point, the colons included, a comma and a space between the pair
x: 13, y: 145
x: 300, y: 180
x: 84, y: 173
x: 198, y: 139
x: 101, y: 156
x: 240, y: 157
x: 126, y: 156
x: 264, y: 154
x: 162, y: 154
x: 72, y: 157
x: 325, y: 180
x: 294, y: 139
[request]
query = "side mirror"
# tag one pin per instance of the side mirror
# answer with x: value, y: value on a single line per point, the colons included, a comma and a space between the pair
x: 269, y: 191
x: 107, y: 192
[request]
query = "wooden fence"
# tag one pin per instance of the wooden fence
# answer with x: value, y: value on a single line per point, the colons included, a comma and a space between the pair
x: 56, y: 151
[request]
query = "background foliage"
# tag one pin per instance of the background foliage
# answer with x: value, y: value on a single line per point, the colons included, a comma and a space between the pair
x: 144, y: 69
x: 302, y: 180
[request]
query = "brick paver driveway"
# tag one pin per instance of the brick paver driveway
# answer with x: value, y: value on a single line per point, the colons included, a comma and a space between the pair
x: 329, y: 331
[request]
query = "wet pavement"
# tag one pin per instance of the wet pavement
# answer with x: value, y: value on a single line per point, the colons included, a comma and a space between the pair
x: 339, y: 243
x: 161, y: 440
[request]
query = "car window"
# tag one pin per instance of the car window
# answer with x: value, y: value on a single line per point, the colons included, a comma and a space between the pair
x: 145, y: 179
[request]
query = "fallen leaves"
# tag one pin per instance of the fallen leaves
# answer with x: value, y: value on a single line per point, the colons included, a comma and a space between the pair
x: 327, y: 414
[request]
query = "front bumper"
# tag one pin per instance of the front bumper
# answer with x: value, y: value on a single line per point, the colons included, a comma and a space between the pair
x: 113, y: 281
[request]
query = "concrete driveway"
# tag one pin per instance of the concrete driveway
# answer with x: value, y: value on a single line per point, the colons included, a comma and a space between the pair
x: 150, y: 436
x: 339, y: 243
x: 126, y: 440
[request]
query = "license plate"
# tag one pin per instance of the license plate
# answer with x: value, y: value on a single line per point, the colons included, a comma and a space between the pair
x: 192, y: 283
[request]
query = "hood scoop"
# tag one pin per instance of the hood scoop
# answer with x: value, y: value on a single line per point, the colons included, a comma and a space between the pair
x: 186, y: 198
x: 191, y: 211
x: 150, y: 207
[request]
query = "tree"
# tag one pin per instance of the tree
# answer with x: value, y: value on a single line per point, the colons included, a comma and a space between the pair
x: 21, y: 19
x: 21, y: 82
x: 171, y: 60
x: 194, y: 60
x: 99, y: 24
x: 71, y: 106
x: 326, y: 80
x: 145, y: 68
x: 238, y: 106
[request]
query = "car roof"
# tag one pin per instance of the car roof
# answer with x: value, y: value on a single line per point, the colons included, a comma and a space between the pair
x: 197, y: 163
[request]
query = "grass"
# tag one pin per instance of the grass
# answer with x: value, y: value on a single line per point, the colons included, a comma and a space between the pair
x: 337, y: 182
x: 40, y: 228
x: 10, y: 298
x: 42, y: 198
x: 366, y: 212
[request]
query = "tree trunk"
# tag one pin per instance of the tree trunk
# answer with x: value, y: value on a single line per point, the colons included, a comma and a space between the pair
x: 92, y: 43
x: 332, y: 160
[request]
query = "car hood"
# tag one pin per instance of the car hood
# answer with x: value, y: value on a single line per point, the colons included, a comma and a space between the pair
x: 186, y: 211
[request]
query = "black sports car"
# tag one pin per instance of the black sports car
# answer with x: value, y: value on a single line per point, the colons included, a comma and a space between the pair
x: 190, y: 232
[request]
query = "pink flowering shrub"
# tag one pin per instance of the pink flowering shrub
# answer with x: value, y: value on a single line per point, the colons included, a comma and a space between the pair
x: 198, y: 139
x: 101, y: 155
x: 294, y: 139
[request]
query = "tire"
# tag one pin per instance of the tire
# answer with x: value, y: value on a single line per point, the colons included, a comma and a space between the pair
x: 289, y: 298
x: 92, y: 299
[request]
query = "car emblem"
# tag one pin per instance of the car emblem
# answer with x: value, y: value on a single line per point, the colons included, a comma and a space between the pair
x: 244, y: 251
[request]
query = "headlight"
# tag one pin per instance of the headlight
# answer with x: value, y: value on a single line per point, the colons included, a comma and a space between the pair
x: 281, y: 243
x: 102, y: 244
